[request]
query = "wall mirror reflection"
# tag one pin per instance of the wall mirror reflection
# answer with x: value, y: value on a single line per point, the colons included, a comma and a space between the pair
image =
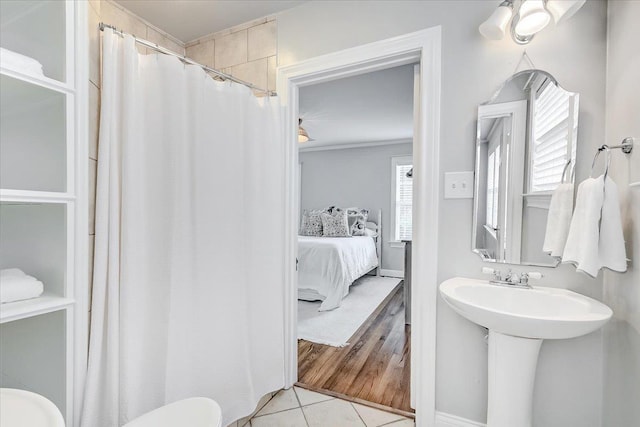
x: 525, y: 147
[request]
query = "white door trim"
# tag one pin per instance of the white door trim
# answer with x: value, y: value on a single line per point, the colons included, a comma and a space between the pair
x: 423, y: 47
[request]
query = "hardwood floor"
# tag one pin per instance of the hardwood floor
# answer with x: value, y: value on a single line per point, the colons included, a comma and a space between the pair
x: 374, y: 367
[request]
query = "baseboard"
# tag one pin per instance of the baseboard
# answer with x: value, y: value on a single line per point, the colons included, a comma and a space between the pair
x: 448, y: 420
x: 392, y: 273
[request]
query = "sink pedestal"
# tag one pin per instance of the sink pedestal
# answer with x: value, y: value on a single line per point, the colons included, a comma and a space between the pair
x: 512, y: 373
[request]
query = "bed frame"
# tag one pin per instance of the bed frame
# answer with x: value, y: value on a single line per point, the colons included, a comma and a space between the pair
x: 377, y: 227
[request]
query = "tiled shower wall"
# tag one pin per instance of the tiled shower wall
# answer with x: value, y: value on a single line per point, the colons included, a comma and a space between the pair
x: 247, y: 51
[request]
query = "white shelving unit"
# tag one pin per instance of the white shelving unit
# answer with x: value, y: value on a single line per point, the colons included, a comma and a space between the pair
x: 43, y: 198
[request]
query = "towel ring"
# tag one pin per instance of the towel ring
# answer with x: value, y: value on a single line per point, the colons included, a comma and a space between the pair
x: 564, y: 172
x: 605, y: 148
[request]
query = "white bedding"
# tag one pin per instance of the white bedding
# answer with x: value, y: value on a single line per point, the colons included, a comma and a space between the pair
x: 327, y: 266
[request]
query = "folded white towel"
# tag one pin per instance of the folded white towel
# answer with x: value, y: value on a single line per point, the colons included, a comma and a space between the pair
x: 18, y: 62
x: 12, y: 272
x: 16, y: 287
x: 595, y: 238
x: 611, y: 247
x: 558, y: 220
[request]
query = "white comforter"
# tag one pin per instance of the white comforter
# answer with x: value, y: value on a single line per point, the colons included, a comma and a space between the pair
x: 327, y: 266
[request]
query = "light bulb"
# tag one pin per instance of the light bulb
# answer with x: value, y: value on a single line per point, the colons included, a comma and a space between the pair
x: 561, y: 10
x: 533, y: 17
x: 494, y: 27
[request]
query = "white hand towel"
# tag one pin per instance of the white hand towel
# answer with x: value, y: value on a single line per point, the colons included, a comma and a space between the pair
x: 582, y: 247
x: 558, y: 220
x: 17, y: 288
x: 611, y: 246
x: 18, y: 62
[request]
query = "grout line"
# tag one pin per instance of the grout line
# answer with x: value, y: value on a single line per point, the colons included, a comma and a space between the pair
x: 359, y: 416
x: 300, y: 405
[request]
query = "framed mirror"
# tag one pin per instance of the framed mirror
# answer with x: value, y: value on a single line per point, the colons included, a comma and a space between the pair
x: 525, y: 147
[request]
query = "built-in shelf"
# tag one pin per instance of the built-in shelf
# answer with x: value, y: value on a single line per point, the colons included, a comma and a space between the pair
x: 43, y: 196
x: 42, y: 81
x: 45, y: 303
x: 37, y: 29
x: 29, y: 197
x: 33, y: 137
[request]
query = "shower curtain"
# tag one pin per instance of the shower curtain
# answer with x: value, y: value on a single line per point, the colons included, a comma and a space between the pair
x: 188, y: 273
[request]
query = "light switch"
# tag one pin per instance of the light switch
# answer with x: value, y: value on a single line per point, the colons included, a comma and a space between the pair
x: 458, y: 185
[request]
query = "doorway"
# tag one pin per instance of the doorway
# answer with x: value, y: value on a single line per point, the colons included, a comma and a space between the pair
x: 357, y: 167
x: 422, y: 47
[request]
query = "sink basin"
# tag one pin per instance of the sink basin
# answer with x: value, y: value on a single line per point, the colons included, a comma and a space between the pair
x: 24, y: 408
x: 545, y: 313
x: 519, y: 319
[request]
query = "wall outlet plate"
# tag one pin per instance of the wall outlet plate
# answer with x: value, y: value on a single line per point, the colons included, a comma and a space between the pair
x: 458, y: 185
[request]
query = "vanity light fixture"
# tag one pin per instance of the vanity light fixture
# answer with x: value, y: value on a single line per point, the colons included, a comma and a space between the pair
x: 494, y: 27
x: 303, y: 136
x: 531, y: 16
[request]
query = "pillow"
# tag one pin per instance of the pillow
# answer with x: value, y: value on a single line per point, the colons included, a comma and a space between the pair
x: 336, y: 225
x: 311, y: 224
x: 357, y: 221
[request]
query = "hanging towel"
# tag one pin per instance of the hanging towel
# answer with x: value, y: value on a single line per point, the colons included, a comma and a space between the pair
x: 595, y: 238
x: 558, y: 220
x: 15, y: 285
x: 611, y: 246
x: 584, y: 233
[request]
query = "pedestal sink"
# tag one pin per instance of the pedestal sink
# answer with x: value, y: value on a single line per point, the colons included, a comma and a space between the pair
x: 518, y: 320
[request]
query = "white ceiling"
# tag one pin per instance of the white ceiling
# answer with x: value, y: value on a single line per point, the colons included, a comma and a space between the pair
x: 188, y: 20
x: 373, y: 107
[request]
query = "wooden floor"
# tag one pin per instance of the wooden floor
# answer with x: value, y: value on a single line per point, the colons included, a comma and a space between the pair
x: 374, y: 367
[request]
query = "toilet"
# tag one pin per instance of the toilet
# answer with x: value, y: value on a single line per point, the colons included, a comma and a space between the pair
x: 192, y: 412
x: 21, y: 408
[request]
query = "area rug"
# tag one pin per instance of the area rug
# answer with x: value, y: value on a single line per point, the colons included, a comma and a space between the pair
x: 335, y: 327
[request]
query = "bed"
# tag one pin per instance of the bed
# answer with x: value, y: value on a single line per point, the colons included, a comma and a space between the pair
x: 328, y: 266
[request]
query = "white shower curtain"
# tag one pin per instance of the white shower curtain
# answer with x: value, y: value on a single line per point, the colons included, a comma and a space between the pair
x: 188, y: 274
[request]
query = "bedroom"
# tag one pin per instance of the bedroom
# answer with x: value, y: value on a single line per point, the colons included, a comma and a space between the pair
x: 355, y: 172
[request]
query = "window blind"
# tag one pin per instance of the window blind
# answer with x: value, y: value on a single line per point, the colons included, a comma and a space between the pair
x: 404, y: 203
x: 554, y: 130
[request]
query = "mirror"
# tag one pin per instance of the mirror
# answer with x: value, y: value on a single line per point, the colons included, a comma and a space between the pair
x: 525, y: 147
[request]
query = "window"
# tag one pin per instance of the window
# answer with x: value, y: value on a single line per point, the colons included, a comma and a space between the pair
x: 554, y: 131
x: 401, y: 198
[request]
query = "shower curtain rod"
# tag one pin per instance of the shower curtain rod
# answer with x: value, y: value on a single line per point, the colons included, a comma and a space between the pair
x: 186, y: 60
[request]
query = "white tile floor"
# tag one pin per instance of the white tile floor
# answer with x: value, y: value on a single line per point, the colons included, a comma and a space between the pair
x: 298, y: 407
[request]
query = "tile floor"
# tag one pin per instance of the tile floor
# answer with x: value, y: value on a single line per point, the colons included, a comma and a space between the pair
x: 298, y: 407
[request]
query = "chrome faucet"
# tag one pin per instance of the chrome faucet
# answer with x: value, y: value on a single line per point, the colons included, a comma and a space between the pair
x: 511, y: 278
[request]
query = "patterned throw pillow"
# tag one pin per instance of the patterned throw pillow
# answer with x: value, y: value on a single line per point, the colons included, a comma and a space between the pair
x: 311, y: 224
x: 357, y: 221
x: 335, y: 225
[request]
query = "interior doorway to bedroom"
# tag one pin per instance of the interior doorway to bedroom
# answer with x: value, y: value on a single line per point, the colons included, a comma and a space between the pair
x: 354, y: 245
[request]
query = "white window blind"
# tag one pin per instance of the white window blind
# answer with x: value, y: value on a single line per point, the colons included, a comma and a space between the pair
x: 553, y: 141
x: 403, y: 200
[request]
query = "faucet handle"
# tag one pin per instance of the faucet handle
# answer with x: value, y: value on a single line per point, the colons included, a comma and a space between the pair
x: 524, y: 277
x: 497, y: 274
x: 534, y: 275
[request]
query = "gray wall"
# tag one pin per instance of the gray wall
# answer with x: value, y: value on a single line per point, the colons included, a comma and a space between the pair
x: 569, y: 379
x: 359, y: 177
x: 622, y: 291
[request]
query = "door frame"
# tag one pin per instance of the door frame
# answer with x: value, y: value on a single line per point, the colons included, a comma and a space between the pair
x: 423, y: 47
